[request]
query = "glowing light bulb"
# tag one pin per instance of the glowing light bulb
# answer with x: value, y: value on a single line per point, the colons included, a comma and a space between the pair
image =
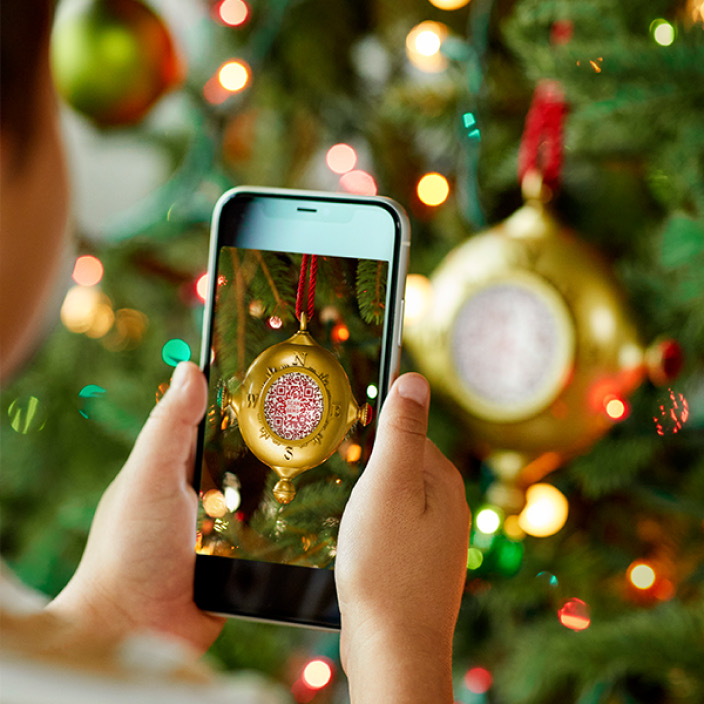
x: 641, y: 575
x: 545, y: 511
x: 574, y: 614
x: 87, y: 271
x: 663, y: 32
x: 419, y: 292
x: 341, y: 158
x: 317, y: 673
x: 234, y: 75
x: 487, y: 521
x: 359, y: 182
x: 423, y: 44
x: 478, y: 680
x: 202, y: 286
x: 233, y: 12
x: 433, y: 189
x: 615, y: 408
x: 449, y: 4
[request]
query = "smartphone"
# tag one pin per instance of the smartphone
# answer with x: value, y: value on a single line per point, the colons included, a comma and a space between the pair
x: 302, y: 335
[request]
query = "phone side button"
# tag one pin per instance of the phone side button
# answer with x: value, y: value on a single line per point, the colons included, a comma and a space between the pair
x: 402, y: 312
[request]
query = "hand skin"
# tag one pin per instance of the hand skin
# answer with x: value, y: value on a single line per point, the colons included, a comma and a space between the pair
x: 401, y: 560
x: 137, y: 569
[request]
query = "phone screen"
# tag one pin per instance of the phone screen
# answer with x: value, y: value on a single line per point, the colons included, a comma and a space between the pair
x: 299, y: 357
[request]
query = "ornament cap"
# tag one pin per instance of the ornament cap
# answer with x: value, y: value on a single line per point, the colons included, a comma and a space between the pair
x: 284, y: 491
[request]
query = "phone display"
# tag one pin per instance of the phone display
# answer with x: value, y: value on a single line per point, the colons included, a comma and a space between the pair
x: 301, y: 343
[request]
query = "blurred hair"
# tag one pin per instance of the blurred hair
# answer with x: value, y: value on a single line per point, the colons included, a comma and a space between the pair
x: 24, y: 46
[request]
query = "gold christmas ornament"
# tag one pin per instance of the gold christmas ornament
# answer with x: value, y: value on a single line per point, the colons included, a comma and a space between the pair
x: 527, y: 331
x: 294, y: 408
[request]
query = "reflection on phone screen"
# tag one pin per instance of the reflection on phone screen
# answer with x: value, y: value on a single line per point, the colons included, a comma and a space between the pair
x: 287, y: 429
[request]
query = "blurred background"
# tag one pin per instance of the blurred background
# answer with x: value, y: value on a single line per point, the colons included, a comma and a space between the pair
x: 564, y: 342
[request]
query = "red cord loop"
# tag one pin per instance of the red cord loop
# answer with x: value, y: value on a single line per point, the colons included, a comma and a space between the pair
x: 541, y: 147
x: 310, y: 295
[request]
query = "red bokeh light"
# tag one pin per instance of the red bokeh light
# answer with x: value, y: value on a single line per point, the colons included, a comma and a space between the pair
x: 359, y: 182
x: 574, y: 614
x: 478, y: 680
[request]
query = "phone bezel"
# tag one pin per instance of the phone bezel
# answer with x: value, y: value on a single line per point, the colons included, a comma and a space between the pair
x: 274, y: 592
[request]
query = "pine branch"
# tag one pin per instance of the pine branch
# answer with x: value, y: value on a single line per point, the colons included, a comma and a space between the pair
x: 371, y: 290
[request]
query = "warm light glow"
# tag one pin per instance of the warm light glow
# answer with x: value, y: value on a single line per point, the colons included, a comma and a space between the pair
x: 545, y: 511
x: 418, y: 295
x: 87, y: 271
x: 233, y: 12
x: 615, y: 408
x: 663, y: 32
x: 202, y: 286
x: 234, y: 75
x: 317, y: 673
x: 354, y: 453
x: 341, y: 158
x: 423, y: 45
x: 232, y: 498
x: 214, y: 503
x: 478, y: 680
x: 275, y: 322
x: 512, y: 528
x: 574, y: 615
x: 433, y: 189
x: 340, y: 333
x: 487, y: 521
x: 449, y: 4
x: 641, y: 575
x: 372, y: 391
x: 86, y: 310
x: 359, y: 182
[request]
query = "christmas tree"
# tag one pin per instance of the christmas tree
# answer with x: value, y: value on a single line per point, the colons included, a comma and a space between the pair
x: 430, y: 101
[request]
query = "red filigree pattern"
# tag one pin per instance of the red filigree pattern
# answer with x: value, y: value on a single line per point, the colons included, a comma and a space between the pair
x: 293, y: 406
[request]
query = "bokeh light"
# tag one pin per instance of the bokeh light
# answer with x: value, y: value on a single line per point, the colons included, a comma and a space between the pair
x: 275, y: 323
x: 234, y: 75
x: 487, y: 521
x: 340, y: 333
x: 317, y: 673
x: 574, y: 614
x: 90, y: 393
x: 475, y: 557
x: 372, y: 391
x: 641, y: 575
x: 88, y: 270
x: 233, y: 12
x: 672, y: 413
x: 433, y: 189
x: 341, y: 158
x: 233, y: 499
x: 214, y: 503
x: 478, y: 680
x: 202, y: 286
x: 616, y: 408
x: 85, y: 309
x: 417, y: 299
x: 423, y: 45
x: 359, y: 182
x: 27, y: 415
x: 353, y: 453
x: 175, y: 351
x: 545, y: 511
x: 663, y: 32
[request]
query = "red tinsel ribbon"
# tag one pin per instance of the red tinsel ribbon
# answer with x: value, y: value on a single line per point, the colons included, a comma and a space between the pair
x: 541, y: 144
x: 310, y: 276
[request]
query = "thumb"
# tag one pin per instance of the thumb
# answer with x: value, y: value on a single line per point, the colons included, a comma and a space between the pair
x: 165, y: 446
x: 399, y: 447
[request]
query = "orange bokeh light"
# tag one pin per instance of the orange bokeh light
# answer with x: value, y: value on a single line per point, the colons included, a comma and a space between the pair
x: 88, y: 270
x: 615, y: 408
x: 234, y: 75
x: 202, y: 286
x: 341, y: 158
x: 317, y: 673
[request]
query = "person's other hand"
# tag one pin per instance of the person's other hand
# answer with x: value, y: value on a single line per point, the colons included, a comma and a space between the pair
x: 401, y: 560
x: 137, y: 569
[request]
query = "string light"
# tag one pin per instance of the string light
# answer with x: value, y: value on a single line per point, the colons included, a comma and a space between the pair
x: 86, y: 310
x: 233, y: 13
x: 663, y: 32
x: 175, y: 351
x: 616, y: 408
x: 341, y: 158
x: 234, y: 75
x: 423, y: 44
x: 202, y: 286
x: 574, y: 614
x: 433, y: 189
x: 317, y: 673
x: 359, y: 182
x: 487, y: 521
x: 340, y: 333
x: 87, y: 271
x: 417, y: 298
x: 641, y: 575
x: 478, y: 680
x: 545, y: 511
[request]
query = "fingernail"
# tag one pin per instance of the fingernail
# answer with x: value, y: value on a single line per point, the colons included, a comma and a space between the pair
x: 180, y: 376
x: 413, y: 387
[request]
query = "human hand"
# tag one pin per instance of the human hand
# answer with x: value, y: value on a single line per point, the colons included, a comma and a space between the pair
x: 401, y: 560
x: 137, y: 569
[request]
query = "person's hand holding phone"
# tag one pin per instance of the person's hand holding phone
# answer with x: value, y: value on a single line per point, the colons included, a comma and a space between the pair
x: 401, y: 560
x: 137, y: 569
